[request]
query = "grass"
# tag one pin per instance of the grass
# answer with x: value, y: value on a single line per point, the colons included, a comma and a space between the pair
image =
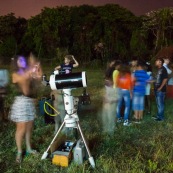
x: 144, y: 148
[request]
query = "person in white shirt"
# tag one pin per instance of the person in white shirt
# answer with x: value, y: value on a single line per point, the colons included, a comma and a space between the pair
x: 148, y: 89
x: 165, y: 64
x: 170, y: 77
x: 169, y: 71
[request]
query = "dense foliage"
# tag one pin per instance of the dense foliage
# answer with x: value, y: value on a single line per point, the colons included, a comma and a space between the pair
x: 88, y: 32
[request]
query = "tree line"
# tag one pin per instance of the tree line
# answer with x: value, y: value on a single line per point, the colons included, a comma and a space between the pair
x: 88, y: 32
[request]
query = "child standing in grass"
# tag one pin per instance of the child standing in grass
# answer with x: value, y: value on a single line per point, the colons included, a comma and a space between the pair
x: 140, y: 80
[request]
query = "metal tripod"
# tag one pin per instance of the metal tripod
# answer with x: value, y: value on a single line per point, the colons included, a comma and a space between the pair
x: 71, y: 120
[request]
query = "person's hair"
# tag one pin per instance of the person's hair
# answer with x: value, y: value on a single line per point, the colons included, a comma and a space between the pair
x: 69, y: 57
x: 111, y: 63
x: 124, y: 69
x: 118, y: 62
x: 141, y: 63
x: 14, y: 65
x: 148, y: 67
x: 134, y: 58
x: 160, y: 59
x: 166, y: 58
x: 110, y: 68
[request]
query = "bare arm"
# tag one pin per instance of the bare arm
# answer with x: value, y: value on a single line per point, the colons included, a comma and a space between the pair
x: 18, y: 78
x: 36, y: 71
x: 76, y: 63
x: 58, y: 67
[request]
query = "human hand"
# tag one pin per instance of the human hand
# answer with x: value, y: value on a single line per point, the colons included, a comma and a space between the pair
x: 159, y: 89
x: 36, y: 71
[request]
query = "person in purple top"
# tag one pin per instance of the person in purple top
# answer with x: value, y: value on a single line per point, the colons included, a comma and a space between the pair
x: 140, y: 80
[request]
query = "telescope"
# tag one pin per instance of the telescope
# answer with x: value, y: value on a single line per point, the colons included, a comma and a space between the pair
x: 65, y: 81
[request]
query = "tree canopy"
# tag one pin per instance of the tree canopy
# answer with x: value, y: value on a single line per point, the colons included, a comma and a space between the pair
x: 86, y: 31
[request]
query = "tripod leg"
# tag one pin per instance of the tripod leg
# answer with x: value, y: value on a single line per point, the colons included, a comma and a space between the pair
x: 91, y: 160
x: 45, y: 154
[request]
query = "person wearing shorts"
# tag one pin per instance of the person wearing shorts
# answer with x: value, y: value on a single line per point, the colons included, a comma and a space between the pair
x: 22, y: 111
x: 140, y: 80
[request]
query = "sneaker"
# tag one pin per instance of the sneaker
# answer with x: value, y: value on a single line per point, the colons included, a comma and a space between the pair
x: 119, y: 120
x: 126, y: 123
x: 154, y: 117
x: 137, y: 122
x: 158, y: 119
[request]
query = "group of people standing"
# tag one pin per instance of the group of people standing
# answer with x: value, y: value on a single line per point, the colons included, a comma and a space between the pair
x: 128, y: 87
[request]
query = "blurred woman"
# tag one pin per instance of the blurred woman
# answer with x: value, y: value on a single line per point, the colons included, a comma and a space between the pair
x: 110, y: 80
x: 110, y: 97
x: 23, y: 109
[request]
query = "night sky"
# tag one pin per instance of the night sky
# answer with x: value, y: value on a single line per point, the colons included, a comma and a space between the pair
x: 28, y: 8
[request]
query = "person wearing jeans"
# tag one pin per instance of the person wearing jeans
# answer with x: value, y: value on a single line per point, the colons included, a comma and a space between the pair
x: 124, y: 84
x: 140, y: 80
x: 160, y: 97
x: 124, y: 95
x: 160, y: 88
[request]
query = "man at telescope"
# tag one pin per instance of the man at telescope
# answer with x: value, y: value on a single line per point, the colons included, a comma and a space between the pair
x: 67, y: 67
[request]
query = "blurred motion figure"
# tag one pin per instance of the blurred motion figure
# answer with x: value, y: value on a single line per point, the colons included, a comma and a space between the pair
x: 23, y: 108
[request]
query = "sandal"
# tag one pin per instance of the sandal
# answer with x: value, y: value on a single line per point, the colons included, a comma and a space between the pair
x: 33, y: 152
x: 19, y: 157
